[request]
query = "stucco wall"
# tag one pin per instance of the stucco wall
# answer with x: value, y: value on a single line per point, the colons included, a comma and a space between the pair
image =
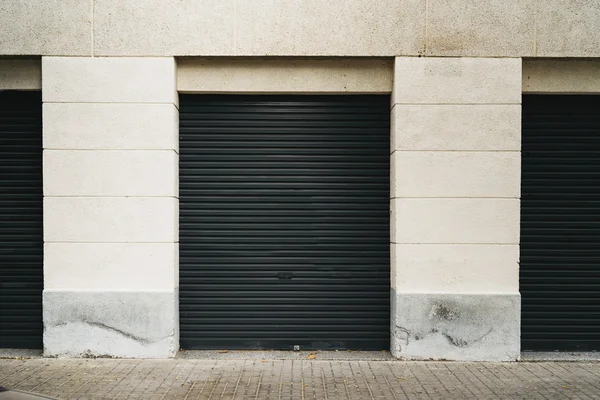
x: 475, y: 28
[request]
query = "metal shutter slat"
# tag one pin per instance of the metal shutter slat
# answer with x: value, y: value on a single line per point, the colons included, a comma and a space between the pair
x: 21, y: 235
x: 284, y: 222
x: 560, y: 224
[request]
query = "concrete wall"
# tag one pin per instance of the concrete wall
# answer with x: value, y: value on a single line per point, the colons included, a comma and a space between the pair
x: 455, y: 188
x: 469, y: 28
x: 110, y: 135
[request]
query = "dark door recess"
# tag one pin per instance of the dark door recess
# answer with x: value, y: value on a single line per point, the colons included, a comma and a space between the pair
x: 21, y: 238
x: 284, y: 222
x: 560, y: 223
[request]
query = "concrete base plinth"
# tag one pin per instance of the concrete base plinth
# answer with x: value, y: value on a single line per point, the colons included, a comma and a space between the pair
x: 462, y: 327
x: 111, y: 324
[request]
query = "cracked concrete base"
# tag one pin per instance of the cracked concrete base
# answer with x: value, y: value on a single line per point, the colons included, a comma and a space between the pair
x: 461, y: 327
x: 111, y: 324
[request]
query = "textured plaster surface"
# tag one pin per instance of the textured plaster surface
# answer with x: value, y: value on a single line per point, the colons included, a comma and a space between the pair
x: 116, y: 324
x: 461, y: 327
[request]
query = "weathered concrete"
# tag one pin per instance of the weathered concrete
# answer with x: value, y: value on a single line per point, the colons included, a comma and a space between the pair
x: 481, y: 28
x: 455, y: 326
x: 114, y: 324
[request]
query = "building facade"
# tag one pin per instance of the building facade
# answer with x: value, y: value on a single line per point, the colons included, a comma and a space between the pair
x: 411, y: 175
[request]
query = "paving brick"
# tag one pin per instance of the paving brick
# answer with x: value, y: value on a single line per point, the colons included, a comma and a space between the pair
x: 299, y: 379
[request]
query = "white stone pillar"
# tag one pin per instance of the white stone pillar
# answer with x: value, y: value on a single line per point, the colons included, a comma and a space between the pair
x: 110, y: 135
x: 455, y: 190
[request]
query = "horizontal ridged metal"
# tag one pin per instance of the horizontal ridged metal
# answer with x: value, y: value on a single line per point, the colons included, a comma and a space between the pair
x: 284, y: 222
x: 560, y: 223
x: 21, y: 237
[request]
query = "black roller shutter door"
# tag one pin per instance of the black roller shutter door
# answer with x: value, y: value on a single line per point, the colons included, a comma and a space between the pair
x: 284, y: 222
x: 21, y: 237
x: 560, y: 223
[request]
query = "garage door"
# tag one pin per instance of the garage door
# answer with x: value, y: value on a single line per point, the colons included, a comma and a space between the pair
x: 21, y: 240
x: 284, y: 222
x: 560, y: 223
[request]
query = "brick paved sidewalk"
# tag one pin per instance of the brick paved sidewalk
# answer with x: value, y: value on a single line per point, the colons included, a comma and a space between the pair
x: 299, y: 379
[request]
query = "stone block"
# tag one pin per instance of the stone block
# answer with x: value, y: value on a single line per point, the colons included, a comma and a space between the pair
x: 568, y: 28
x: 111, y: 173
x: 456, y: 326
x: 20, y: 74
x: 332, y: 28
x: 449, y: 221
x: 426, y: 80
x: 109, y: 80
x: 164, y: 28
x: 455, y: 174
x: 456, y: 127
x: 481, y: 28
x: 455, y: 268
x: 111, y: 219
x: 130, y: 324
x: 94, y: 126
x: 111, y: 266
x: 561, y: 76
x: 285, y: 75
x: 49, y: 27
